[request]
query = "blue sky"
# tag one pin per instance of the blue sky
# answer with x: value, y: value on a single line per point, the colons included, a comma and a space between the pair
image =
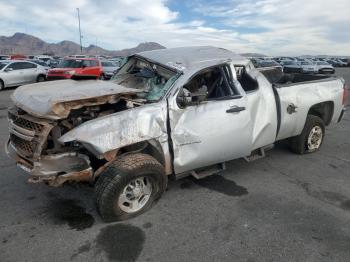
x: 272, y: 27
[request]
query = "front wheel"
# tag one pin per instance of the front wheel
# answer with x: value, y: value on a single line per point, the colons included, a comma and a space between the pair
x: 129, y: 187
x: 311, y: 138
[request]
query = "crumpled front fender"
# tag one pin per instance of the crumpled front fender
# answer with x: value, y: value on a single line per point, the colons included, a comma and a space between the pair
x: 121, y: 129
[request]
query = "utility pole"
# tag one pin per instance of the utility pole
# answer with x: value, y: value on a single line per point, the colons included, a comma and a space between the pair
x: 81, y: 47
x: 96, y: 46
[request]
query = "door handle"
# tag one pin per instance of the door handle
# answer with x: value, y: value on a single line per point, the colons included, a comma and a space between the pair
x: 235, y: 109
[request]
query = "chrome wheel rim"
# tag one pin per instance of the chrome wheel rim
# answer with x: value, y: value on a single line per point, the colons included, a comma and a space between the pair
x: 315, y: 138
x: 135, y: 195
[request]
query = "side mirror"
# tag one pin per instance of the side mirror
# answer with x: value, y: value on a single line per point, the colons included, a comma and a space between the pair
x: 186, y: 98
x: 9, y: 69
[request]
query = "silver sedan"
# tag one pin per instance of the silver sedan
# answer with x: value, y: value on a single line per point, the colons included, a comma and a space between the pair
x: 17, y: 72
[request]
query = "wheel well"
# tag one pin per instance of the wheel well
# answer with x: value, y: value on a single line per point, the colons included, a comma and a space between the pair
x: 150, y: 147
x: 323, y: 110
x: 40, y: 76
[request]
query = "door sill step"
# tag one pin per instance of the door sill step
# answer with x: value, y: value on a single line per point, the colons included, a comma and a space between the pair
x: 208, y: 171
x: 258, y: 153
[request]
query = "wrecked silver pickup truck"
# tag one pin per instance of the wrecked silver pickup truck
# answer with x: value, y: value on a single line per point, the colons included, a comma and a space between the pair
x: 173, y: 112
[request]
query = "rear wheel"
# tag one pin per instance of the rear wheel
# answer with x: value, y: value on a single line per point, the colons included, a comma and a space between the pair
x: 102, y: 77
x: 311, y: 138
x: 129, y: 187
x: 2, y: 85
x: 40, y: 78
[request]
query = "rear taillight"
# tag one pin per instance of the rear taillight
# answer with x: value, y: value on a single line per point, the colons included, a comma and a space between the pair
x: 345, y: 95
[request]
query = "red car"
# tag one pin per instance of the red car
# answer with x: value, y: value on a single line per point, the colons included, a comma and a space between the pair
x: 76, y: 68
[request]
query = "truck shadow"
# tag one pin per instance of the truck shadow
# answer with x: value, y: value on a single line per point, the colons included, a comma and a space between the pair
x: 216, y: 183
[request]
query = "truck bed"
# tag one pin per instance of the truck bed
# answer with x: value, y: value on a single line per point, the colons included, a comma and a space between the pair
x: 281, y: 79
x: 297, y: 93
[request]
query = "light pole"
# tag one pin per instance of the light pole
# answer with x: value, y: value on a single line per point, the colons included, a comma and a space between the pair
x: 81, y: 47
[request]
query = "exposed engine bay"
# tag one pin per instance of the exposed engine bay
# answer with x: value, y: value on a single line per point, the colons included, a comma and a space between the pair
x: 35, y: 142
x: 40, y: 118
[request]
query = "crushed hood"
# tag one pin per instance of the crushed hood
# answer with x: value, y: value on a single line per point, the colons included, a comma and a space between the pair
x: 55, y: 99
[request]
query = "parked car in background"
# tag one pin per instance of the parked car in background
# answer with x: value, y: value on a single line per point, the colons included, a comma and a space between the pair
x: 40, y: 62
x: 54, y: 62
x: 345, y: 60
x: 267, y: 63
x: 44, y: 58
x: 19, y: 72
x: 18, y: 57
x: 308, y: 67
x: 82, y: 67
x: 290, y: 66
x: 324, y: 67
x: 78, y: 56
x: 109, y: 69
x: 5, y: 57
x: 340, y: 63
x: 333, y: 63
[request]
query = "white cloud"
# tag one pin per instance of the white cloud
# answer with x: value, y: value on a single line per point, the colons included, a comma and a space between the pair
x: 289, y: 27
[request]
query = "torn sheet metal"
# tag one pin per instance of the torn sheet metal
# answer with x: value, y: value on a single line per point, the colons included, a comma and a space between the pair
x: 185, y: 137
x: 121, y: 129
x: 55, y: 99
x: 59, y: 168
x: 54, y: 169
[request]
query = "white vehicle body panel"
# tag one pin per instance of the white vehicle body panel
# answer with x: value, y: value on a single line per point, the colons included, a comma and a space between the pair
x: 303, y: 96
x: 205, y: 134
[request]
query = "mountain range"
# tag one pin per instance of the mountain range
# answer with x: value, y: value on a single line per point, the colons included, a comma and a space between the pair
x: 21, y: 43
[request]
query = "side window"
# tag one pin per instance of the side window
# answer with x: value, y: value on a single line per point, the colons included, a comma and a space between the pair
x: 214, y: 83
x: 248, y: 83
x: 26, y: 65
x: 93, y: 63
x: 86, y: 63
x: 16, y: 66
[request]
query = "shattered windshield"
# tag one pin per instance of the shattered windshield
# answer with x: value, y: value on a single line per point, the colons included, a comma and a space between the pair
x: 153, y: 79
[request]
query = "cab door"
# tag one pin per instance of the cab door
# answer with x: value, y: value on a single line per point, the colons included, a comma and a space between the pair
x: 14, y: 74
x: 212, y: 131
x: 30, y: 72
x: 91, y: 67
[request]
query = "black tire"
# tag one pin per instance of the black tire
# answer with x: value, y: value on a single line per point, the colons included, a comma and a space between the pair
x: 299, y: 144
x: 2, y: 85
x: 102, y: 77
x: 40, y: 78
x: 117, y: 176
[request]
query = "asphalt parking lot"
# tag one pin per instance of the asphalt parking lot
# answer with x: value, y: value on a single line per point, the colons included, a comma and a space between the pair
x: 284, y: 207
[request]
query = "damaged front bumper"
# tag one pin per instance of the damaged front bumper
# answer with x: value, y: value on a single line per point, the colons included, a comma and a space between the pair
x: 54, y: 169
